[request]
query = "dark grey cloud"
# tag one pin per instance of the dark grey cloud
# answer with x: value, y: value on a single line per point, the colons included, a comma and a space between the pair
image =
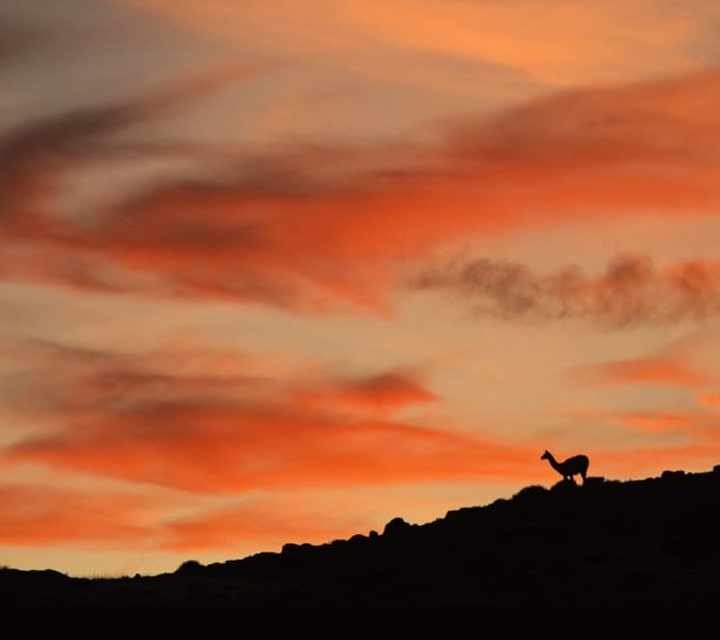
x: 12, y: 41
x: 630, y: 291
x: 34, y: 156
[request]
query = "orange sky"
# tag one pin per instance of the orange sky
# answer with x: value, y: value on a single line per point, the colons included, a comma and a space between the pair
x: 279, y: 272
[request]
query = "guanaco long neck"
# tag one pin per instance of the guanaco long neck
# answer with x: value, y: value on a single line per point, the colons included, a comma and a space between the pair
x: 554, y: 463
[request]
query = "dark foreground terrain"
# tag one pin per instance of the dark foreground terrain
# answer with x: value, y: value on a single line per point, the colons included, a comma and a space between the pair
x: 605, y: 546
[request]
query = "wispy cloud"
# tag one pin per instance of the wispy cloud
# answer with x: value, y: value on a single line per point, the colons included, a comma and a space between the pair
x: 376, y: 394
x: 231, y: 435
x: 390, y: 40
x: 292, y: 231
x: 234, y: 449
x: 685, y: 422
x: 41, y: 514
x: 667, y: 370
x: 35, y: 156
x: 630, y: 291
x: 130, y: 418
x: 709, y: 398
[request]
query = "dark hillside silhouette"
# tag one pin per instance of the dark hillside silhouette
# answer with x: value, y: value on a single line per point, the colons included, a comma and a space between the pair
x: 602, y: 546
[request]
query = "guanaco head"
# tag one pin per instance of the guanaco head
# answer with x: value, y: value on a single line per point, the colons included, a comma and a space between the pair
x: 545, y: 455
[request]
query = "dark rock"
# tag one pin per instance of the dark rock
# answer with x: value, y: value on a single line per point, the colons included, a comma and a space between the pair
x: 396, y: 526
x: 671, y: 475
x: 189, y: 567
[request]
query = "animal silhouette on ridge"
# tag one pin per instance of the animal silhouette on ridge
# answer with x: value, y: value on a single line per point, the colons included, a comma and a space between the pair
x: 568, y: 468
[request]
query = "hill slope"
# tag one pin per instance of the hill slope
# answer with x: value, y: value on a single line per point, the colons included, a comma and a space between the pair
x: 604, y: 546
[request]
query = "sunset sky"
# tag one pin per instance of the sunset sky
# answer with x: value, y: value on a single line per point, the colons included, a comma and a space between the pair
x: 282, y: 270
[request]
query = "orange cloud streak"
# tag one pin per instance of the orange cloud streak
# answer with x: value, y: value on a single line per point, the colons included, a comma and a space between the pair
x: 134, y: 419
x: 377, y: 394
x: 648, y: 370
x: 709, y: 398
x: 306, y: 240
x: 660, y: 421
x: 210, y: 449
x: 44, y: 515
x: 127, y: 417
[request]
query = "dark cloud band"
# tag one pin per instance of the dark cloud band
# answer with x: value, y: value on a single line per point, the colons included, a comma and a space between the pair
x: 631, y: 290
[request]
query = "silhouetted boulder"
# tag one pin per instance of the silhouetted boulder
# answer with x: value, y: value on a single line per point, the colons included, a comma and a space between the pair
x: 189, y: 567
x: 566, y: 487
x: 290, y: 548
x: 396, y: 527
x: 672, y: 475
x: 532, y: 493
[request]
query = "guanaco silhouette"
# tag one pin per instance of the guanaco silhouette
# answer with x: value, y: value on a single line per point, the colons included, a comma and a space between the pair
x: 568, y: 468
